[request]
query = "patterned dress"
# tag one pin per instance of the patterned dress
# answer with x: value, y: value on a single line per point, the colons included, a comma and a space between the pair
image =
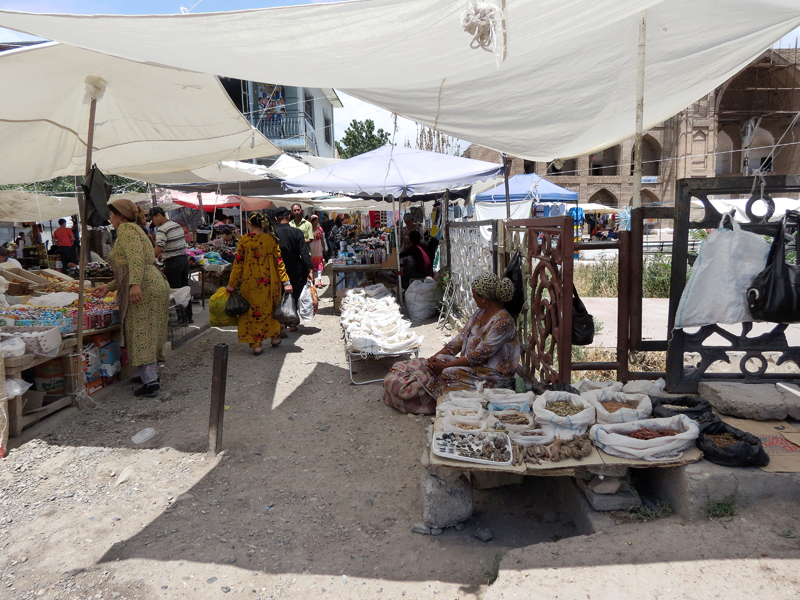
x: 259, y: 268
x: 493, y: 354
x: 145, y: 324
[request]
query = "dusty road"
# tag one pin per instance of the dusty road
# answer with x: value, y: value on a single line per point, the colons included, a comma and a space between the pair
x: 314, y: 496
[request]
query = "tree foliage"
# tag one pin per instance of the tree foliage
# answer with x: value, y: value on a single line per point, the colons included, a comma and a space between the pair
x: 361, y: 137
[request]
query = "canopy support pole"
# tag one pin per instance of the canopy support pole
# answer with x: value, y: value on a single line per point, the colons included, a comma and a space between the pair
x: 397, y: 248
x: 636, y: 201
x: 84, y: 226
x: 505, y: 177
x: 202, y: 210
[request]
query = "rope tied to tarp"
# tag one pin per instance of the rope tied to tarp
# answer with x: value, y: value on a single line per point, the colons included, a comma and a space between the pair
x: 484, y: 21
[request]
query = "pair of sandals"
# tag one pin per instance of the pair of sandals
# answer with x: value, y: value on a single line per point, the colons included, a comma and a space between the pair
x: 259, y: 351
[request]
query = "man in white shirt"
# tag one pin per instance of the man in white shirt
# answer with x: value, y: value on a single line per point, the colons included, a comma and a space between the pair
x: 6, y: 260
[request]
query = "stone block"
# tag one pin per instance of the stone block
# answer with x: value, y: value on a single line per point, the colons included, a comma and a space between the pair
x: 625, y: 499
x: 604, y: 485
x: 446, y: 500
x: 760, y: 402
x: 608, y: 470
x: 791, y: 396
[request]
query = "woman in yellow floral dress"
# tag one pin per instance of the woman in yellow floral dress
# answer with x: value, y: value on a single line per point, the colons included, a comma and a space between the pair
x: 142, y: 295
x: 259, y: 268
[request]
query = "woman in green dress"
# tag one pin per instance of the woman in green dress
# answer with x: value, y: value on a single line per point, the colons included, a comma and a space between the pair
x: 142, y: 295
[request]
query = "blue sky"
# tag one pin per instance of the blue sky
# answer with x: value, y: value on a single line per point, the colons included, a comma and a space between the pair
x: 353, y: 108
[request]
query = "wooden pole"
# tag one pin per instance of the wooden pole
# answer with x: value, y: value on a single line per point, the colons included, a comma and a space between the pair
x: 219, y: 379
x: 84, y: 226
x: 636, y: 201
x: 505, y: 177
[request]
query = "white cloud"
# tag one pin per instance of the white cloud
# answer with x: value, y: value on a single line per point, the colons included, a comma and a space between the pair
x: 353, y: 108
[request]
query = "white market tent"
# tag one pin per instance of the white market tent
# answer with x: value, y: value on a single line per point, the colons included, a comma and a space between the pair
x: 591, y: 207
x: 48, y: 122
x: 220, y: 172
x: 561, y: 81
x: 18, y: 206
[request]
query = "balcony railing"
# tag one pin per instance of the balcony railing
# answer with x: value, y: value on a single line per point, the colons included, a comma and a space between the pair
x: 290, y: 132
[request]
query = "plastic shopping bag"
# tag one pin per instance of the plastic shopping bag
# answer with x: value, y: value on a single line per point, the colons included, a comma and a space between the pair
x: 217, y: 317
x: 305, y: 304
x: 286, y: 312
x: 726, y: 265
x: 236, y: 305
x: 315, y: 298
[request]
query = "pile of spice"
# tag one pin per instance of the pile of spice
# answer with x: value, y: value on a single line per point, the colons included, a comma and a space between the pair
x: 563, y: 408
x: 645, y: 433
x: 613, y: 406
x: 722, y: 440
x: 512, y: 418
x: 674, y: 407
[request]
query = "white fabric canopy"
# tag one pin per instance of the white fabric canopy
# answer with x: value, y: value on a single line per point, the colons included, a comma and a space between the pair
x: 24, y: 206
x: 591, y: 207
x: 150, y: 120
x: 220, y: 172
x: 759, y: 208
x: 397, y: 172
x: 497, y: 210
x: 567, y: 86
x: 287, y: 166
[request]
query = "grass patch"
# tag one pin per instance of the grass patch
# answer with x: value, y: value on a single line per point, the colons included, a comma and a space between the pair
x: 642, y: 514
x: 650, y: 362
x: 720, y: 509
x: 492, y: 572
x: 600, y: 278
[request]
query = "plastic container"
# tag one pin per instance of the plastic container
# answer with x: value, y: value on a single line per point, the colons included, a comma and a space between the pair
x: 447, y: 449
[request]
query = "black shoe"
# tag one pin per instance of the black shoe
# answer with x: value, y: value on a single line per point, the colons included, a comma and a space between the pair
x: 148, y: 390
x: 137, y: 380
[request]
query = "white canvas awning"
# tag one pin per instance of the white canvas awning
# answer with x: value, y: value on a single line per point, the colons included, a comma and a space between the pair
x: 565, y: 85
x: 150, y: 120
x: 221, y: 172
x: 16, y: 206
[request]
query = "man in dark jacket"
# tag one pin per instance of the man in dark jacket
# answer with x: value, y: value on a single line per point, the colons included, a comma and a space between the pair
x: 294, y: 251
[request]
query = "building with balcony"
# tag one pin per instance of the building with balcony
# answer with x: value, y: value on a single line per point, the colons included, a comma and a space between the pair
x: 295, y: 119
x: 731, y: 131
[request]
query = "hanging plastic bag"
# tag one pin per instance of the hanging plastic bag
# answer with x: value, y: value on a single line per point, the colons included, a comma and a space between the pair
x: 286, y: 312
x: 236, y: 305
x: 217, y: 317
x: 16, y: 387
x: 726, y: 265
x: 305, y: 303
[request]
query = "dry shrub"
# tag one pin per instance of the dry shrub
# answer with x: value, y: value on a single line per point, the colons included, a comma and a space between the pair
x: 651, y: 362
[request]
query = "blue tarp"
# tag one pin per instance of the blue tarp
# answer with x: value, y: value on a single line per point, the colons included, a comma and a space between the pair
x: 528, y: 187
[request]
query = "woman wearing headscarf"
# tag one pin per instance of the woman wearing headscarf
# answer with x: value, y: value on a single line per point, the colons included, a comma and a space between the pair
x: 142, y: 294
x: 260, y: 270
x: 486, y: 350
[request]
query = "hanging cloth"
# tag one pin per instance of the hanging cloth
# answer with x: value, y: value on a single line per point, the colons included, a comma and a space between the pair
x: 97, y: 190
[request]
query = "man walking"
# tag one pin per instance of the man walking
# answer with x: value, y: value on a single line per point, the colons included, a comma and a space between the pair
x: 170, y: 248
x: 302, y: 224
x: 295, y: 254
x: 64, y: 239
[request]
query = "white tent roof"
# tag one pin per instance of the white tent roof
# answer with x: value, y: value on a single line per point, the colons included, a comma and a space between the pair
x: 592, y: 207
x: 287, y: 166
x: 150, y: 120
x: 759, y: 208
x: 24, y: 206
x: 567, y: 86
x: 397, y: 172
x: 220, y: 172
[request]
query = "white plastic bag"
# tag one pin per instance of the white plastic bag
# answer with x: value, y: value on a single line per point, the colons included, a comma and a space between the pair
x: 181, y: 296
x: 16, y: 387
x: 653, y: 388
x: 613, y: 440
x: 564, y: 427
x: 421, y: 299
x: 587, y: 385
x: 643, y: 410
x: 726, y: 265
x: 54, y: 300
x: 305, y: 304
x: 12, y: 348
x: 509, y: 400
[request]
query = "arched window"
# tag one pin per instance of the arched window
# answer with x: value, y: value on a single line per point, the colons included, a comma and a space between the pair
x: 568, y: 167
x: 651, y: 157
x: 605, y: 198
x: 724, y: 154
x: 605, y: 163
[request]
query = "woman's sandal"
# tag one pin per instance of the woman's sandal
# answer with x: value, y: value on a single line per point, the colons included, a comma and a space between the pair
x: 258, y: 351
x: 274, y: 345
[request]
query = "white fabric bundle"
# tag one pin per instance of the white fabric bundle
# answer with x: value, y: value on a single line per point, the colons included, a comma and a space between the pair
x: 564, y: 427
x: 373, y: 324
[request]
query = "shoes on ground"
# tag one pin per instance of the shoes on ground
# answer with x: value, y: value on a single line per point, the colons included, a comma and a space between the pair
x: 137, y: 380
x: 148, y: 390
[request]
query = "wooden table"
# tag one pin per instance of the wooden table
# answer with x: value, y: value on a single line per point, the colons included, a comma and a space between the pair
x: 334, y: 269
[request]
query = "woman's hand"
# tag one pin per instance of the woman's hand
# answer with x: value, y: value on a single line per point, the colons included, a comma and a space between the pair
x: 135, y: 294
x: 101, y: 291
x: 230, y: 289
x: 288, y: 289
x: 436, y: 366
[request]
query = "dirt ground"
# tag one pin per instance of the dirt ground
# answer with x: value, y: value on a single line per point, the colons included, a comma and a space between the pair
x: 315, y: 495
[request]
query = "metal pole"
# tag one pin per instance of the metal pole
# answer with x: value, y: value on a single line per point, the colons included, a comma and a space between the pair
x: 505, y: 176
x: 636, y: 202
x: 397, y: 248
x: 219, y: 379
x: 84, y: 226
x: 202, y: 210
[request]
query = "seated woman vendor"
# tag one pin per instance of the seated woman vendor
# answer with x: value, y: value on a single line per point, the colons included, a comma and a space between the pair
x: 489, y: 353
x: 422, y: 262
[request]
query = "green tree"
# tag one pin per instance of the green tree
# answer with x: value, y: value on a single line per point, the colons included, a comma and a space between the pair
x: 361, y: 137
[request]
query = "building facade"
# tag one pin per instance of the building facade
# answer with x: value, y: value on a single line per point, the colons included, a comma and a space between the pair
x: 295, y: 119
x: 731, y: 131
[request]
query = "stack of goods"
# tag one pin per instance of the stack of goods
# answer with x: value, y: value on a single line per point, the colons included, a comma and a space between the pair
x: 215, y: 253
x: 49, y: 377
x: 372, y: 322
x: 94, y: 270
x: 98, y: 313
x: 102, y: 363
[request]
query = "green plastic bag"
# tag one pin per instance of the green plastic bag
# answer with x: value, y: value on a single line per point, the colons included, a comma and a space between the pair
x: 217, y: 317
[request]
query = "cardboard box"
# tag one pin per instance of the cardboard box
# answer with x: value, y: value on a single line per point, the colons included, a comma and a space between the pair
x: 110, y: 353
x: 110, y: 370
x: 49, y: 385
x: 59, y: 275
x: 32, y: 401
x: 50, y: 369
x: 7, y: 322
x: 95, y: 386
x: 107, y: 381
x: 101, y: 339
x: 36, y: 281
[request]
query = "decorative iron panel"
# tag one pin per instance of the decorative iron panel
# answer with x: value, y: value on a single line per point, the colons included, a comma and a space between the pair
x: 471, y: 254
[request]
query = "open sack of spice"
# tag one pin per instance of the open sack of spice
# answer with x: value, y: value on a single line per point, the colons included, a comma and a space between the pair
x: 568, y: 414
x: 693, y: 407
x: 461, y: 408
x: 728, y: 446
x: 650, y: 439
x: 618, y: 407
x: 453, y: 424
x: 502, y: 399
x: 509, y: 420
